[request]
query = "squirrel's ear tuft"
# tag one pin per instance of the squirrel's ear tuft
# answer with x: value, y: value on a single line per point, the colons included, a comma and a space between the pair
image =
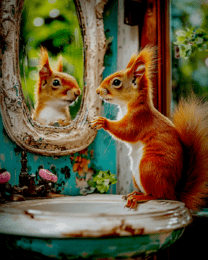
x: 139, y: 69
x: 59, y: 64
x: 45, y: 70
x: 132, y: 61
x: 144, y: 62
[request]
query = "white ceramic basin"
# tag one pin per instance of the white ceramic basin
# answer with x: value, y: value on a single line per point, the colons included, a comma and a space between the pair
x: 95, y: 225
x: 91, y: 216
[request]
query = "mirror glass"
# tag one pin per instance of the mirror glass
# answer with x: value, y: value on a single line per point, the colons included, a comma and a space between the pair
x: 54, y: 25
x: 58, y: 38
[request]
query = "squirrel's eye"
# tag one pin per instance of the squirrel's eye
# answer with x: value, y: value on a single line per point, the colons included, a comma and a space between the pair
x: 56, y: 83
x: 116, y: 82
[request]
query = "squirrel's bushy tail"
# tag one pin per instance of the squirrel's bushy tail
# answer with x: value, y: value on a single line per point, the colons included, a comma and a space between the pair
x: 191, y: 121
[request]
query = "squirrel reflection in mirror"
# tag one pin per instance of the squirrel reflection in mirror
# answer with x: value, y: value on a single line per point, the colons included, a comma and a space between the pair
x: 55, y: 91
x: 169, y: 159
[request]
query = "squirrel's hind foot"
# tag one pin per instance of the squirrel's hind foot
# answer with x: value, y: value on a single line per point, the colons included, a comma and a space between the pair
x: 133, y: 200
x: 125, y: 197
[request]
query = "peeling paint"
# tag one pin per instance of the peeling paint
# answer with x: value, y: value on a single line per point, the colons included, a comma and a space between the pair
x: 2, y: 157
x: 28, y: 134
x: 35, y: 157
x: 138, y: 247
x: 66, y: 183
x: 49, y: 245
x: 66, y: 171
x: 6, y: 138
x: 81, y: 183
x: 164, y: 237
x: 92, y: 216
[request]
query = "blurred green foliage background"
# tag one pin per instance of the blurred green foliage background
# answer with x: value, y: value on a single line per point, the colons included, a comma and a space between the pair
x: 53, y: 24
x: 189, y: 74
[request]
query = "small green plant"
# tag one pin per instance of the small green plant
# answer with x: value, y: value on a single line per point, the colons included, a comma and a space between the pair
x: 190, y: 40
x: 101, y: 181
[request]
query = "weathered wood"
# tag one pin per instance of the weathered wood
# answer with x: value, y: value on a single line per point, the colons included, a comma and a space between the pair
x: 128, y: 43
x: 25, y: 132
x: 155, y: 31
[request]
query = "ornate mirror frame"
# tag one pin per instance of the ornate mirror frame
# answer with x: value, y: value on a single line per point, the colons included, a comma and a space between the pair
x: 28, y: 134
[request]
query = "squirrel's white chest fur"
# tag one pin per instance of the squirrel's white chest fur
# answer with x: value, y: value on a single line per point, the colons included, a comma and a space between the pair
x: 53, y: 111
x: 136, y: 154
x: 50, y: 115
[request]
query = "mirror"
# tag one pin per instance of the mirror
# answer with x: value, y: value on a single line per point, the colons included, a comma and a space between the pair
x: 17, y: 119
x: 54, y: 25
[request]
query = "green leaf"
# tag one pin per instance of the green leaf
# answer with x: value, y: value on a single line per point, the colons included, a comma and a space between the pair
x: 101, y: 188
x: 91, y: 183
x: 114, y: 181
x: 181, y: 33
x: 91, y: 190
x: 102, y: 181
x: 199, y: 40
x: 181, y: 39
x: 182, y: 52
x: 191, y: 40
x: 191, y: 29
x: 189, y: 34
x: 106, y: 181
x: 106, y: 188
x: 188, y: 53
x: 200, y: 31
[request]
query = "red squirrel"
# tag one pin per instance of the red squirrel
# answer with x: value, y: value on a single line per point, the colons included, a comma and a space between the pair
x: 55, y: 91
x: 169, y: 159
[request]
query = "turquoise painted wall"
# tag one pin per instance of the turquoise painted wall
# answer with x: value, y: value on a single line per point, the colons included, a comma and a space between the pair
x: 104, y: 146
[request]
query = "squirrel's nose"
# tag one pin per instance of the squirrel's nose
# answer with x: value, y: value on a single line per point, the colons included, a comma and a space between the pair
x: 77, y: 93
x: 98, y: 91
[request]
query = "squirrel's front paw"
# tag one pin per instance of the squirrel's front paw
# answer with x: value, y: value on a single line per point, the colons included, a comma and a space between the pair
x: 98, y: 122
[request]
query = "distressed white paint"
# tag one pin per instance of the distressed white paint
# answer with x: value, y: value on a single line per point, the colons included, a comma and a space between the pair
x: 25, y: 132
x: 96, y: 215
x: 128, y: 39
x: 128, y: 44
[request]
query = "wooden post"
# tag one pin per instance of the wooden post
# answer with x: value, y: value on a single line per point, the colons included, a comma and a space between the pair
x: 155, y: 31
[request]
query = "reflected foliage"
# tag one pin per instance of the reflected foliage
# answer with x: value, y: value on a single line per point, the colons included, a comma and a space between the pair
x: 189, y: 74
x: 54, y: 25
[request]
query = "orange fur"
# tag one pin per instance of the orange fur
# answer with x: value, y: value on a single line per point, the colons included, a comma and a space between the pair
x: 43, y: 57
x: 54, y: 99
x: 59, y: 65
x: 174, y: 158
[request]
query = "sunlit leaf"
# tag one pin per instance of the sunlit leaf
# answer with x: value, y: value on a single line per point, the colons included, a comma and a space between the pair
x: 181, y: 33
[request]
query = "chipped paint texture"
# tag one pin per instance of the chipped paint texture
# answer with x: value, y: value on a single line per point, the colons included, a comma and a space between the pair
x: 97, y: 155
x: 90, y: 248
x: 2, y: 157
x: 101, y: 152
x: 28, y: 134
x: 96, y: 215
x: 79, y: 221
